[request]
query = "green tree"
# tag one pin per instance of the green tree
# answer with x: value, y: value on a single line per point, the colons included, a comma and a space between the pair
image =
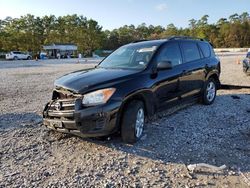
x: 30, y: 33
x: 171, y: 30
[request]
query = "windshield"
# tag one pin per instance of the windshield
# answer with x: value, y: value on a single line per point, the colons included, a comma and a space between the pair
x: 130, y: 57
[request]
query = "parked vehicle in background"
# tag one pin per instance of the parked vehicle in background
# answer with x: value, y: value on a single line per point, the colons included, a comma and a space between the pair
x: 16, y: 55
x: 246, y: 64
x: 133, y: 82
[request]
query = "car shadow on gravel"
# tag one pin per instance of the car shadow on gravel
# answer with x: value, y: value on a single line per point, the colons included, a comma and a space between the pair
x: 17, y: 120
x: 233, y: 87
x: 216, y: 135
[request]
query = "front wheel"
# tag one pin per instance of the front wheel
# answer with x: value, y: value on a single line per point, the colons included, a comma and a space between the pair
x: 209, y: 92
x: 133, y: 121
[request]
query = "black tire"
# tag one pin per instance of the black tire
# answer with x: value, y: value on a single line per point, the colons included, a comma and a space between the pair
x: 129, y: 119
x: 208, y: 98
x: 29, y: 58
x: 15, y: 58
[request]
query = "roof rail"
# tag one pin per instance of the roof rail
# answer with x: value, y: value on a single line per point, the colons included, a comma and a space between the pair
x: 185, y: 38
x: 139, y: 41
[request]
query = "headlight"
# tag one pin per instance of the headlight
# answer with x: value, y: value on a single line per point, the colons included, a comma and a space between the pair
x: 97, y: 97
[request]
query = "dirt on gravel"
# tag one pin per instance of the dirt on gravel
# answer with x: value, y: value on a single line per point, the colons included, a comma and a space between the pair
x: 33, y: 156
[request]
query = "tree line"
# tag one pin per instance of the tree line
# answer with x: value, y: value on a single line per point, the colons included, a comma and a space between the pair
x: 30, y: 33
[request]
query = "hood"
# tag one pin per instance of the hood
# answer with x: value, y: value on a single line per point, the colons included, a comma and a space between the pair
x: 84, y: 80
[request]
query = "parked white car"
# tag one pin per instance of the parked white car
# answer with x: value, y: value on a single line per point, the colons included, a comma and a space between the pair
x: 16, y: 55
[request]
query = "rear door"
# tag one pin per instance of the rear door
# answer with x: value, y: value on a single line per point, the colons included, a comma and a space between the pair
x: 23, y: 55
x: 193, y: 69
x: 167, y: 81
x: 18, y: 55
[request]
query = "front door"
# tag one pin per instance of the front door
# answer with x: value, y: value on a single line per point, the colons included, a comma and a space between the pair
x: 167, y: 81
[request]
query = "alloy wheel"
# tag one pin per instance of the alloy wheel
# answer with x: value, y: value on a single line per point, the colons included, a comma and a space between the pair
x: 139, y: 123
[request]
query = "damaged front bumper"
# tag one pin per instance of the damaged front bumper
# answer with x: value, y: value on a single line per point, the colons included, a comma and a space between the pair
x: 70, y: 116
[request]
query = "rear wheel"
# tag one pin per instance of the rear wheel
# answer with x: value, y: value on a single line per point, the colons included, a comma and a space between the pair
x: 209, y: 92
x: 28, y: 58
x: 133, y: 121
x: 15, y: 58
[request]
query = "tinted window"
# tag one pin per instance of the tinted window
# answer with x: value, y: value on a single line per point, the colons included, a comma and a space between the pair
x: 171, y: 52
x: 191, y: 51
x: 205, y: 48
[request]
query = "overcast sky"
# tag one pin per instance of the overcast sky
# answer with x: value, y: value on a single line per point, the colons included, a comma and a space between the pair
x: 115, y: 13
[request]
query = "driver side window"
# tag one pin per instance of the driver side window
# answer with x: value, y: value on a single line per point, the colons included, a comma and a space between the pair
x: 171, y: 52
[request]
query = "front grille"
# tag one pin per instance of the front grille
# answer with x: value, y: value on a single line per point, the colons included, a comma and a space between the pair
x: 63, y: 105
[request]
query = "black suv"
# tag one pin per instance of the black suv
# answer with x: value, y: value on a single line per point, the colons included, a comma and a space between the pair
x: 132, y: 83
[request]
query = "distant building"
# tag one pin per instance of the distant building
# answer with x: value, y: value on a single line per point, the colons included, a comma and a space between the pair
x: 62, y: 50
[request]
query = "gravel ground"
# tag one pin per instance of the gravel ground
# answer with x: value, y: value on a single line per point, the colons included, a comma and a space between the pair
x: 33, y: 156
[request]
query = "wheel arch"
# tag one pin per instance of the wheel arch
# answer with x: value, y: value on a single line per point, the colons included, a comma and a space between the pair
x: 147, y: 99
x: 215, y: 76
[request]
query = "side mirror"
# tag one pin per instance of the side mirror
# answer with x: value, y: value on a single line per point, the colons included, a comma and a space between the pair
x: 164, y: 65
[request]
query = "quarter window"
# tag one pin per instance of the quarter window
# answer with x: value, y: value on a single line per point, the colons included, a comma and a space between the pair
x: 191, y: 51
x: 205, y: 48
x: 171, y: 53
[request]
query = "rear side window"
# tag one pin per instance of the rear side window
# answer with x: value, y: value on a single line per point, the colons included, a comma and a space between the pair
x: 205, y: 48
x: 170, y: 52
x: 191, y: 51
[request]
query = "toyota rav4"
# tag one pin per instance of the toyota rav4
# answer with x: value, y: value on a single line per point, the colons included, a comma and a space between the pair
x: 133, y: 83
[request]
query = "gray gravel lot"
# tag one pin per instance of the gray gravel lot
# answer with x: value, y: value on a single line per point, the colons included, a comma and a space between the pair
x: 33, y: 156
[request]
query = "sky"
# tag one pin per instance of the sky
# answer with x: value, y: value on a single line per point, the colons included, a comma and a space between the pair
x: 112, y: 14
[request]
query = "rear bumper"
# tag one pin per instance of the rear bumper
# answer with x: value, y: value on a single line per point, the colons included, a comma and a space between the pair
x: 85, y: 122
